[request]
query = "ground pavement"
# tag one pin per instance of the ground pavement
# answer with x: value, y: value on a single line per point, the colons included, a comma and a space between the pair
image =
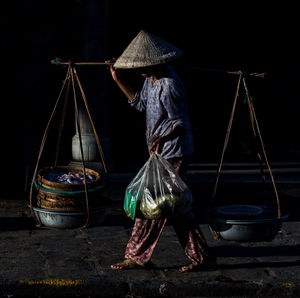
x: 76, y: 263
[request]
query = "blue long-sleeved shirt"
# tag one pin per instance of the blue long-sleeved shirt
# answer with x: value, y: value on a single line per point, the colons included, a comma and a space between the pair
x: 165, y: 105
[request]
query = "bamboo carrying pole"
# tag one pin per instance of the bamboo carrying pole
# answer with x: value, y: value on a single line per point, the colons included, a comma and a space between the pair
x: 58, y: 61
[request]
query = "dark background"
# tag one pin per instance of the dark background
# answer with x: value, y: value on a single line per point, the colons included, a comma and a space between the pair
x: 252, y: 38
x: 247, y: 37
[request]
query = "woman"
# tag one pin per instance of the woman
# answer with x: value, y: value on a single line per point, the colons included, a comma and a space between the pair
x: 168, y: 132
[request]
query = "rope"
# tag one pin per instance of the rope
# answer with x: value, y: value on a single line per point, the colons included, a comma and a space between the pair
x: 42, y: 146
x: 81, y: 149
x: 249, y: 101
x: 91, y: 121
x: 69, y: 79
x: 267, y: 162
x: 257, y: 133
x: 226, y: 138
x: 62, y: 121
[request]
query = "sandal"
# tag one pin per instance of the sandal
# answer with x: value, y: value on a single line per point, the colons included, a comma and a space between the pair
x: 126, y: 264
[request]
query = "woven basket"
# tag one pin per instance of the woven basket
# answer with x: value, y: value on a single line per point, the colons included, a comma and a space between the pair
x: 68, y: 197
x: 43, y: 181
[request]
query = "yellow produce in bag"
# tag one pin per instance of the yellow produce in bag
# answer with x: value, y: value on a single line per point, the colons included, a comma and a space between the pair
x: 157, y: 191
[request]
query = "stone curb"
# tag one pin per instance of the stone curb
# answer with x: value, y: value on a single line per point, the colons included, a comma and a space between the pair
x: 109, y: 288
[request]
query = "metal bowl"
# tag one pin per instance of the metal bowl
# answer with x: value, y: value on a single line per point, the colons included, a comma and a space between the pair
x: 68, y: 219
x: 260, y: 227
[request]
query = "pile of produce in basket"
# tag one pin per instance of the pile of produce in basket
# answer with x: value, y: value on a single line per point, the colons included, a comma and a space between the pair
x: 70, y: 177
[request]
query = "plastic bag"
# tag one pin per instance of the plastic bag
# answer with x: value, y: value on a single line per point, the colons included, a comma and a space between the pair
x: 157, y: 191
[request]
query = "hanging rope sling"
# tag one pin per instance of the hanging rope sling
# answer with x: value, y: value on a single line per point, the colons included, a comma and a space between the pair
x: 70, y: 79
x: 262, y: 158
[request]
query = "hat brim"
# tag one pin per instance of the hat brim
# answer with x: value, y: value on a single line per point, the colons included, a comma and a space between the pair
x: 147, y: 50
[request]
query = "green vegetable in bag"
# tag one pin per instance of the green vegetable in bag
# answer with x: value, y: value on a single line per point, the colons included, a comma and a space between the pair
x: 130, y: 204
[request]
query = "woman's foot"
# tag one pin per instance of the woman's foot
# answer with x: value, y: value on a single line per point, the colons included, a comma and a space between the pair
x: 126, y: 264
x: 209, y: 265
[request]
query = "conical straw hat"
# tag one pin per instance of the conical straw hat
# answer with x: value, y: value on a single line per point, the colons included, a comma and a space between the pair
x: 146, y: 50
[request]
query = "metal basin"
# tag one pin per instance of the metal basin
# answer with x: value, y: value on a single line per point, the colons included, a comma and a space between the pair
x: 251, y: 227
x: 68, y: 219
